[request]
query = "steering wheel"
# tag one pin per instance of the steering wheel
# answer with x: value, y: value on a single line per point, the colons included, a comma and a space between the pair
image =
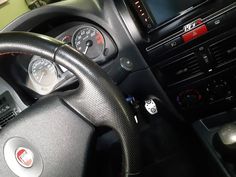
x: 52, y: 138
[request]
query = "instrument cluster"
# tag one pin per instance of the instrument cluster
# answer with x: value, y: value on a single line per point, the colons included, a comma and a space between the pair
x: 44, y: 76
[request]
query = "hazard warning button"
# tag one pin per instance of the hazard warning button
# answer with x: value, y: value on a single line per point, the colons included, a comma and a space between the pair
x: 197, y: 32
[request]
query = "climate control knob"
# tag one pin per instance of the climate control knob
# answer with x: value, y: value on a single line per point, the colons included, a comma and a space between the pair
x: 189, y: 98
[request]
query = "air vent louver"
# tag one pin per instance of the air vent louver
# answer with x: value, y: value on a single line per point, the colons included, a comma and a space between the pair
x: 182, y: 68
x: 6, y: 118
x: 224, y: 52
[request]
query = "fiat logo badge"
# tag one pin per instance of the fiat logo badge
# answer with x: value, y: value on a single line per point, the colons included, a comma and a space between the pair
x: 25, y: 157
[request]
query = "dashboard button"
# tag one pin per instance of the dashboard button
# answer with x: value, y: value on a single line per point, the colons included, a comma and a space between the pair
x: 201, y: 30
x: 174, y: 43
x: 215, y: 23
x: 126, y: 64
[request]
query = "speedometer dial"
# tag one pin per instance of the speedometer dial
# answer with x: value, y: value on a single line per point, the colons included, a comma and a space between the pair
x: 42, y: 72
x: 89, y: 41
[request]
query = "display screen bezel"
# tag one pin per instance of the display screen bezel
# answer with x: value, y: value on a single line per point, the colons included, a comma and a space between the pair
x: 181, y: 14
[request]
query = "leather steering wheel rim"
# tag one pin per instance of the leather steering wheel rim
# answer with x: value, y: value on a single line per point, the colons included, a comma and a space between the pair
x: 97, y: 100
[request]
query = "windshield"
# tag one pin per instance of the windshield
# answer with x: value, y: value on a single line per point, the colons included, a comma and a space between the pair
x: 11, y: 9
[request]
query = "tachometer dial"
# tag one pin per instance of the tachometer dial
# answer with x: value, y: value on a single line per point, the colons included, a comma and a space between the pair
x: 89, y: 41
x: 42, y: 72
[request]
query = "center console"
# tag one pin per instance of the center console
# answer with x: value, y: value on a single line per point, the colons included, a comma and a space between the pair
x: 201, y: 80
x: 191, y: 49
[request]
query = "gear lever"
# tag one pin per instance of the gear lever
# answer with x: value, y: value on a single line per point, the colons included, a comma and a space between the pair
x: 225, y: 142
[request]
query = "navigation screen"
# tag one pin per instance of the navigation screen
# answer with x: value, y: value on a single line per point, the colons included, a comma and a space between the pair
x: 164, y: 10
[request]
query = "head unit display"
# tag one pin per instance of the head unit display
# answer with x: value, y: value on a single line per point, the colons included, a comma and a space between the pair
x: 156, y: 13
x: 166, y: 10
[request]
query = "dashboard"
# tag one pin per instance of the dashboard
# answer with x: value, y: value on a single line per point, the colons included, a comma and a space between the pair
x: 185, y: 57
x: 43, y: 77
x: 192, y: 54
x: 182, y: 58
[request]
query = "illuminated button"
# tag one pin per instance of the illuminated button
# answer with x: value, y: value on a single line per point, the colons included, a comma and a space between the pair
x: 195, y: 33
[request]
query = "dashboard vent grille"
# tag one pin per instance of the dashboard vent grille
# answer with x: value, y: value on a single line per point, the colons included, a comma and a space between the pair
x: 224, y: 52
x: 6, y: 118
x: 183, y: 68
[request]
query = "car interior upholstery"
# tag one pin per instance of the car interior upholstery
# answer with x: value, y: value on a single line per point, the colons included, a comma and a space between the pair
x: 118, y: 88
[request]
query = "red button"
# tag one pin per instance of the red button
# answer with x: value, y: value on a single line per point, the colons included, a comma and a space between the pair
x: 201, y: 30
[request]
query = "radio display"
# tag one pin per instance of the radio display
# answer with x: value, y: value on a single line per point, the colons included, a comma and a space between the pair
x: 165, y: 10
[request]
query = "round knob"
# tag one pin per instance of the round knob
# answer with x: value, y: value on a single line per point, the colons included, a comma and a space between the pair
x: 189, y: 98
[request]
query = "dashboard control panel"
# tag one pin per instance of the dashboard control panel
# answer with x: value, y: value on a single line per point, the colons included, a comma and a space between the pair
x: 200, y: 76
x: 191, y: 31
x: 207, y: 97
x: 201, y: 80
x: 193, y: 56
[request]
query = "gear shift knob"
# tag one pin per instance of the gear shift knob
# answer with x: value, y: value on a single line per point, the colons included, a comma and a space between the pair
x: 225, y: 142
x: 228, y: 134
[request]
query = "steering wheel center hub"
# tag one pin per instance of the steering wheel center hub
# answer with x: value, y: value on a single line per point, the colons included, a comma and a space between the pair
x: 25, y: 157
x: 22, y: 158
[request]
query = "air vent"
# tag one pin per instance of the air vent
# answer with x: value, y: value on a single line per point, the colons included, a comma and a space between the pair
x: 181, y: 69
x: 6, y: 118
x: 224, y: 52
